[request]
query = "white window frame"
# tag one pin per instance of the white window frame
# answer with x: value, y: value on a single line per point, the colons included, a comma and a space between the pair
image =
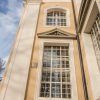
x: 57, y: 7
x: 95, y: 32
x: 74, y: 95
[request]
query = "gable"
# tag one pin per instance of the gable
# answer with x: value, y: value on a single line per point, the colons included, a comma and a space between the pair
x: 56, y: 33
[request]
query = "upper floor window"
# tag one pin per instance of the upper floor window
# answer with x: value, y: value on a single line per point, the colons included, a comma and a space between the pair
x: 56, y: 17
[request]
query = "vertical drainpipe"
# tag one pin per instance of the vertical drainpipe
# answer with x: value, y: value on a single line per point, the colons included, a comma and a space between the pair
x: 81, y: 58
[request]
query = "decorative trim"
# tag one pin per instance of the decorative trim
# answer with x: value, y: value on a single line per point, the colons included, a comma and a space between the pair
x: 58, y: 7
x: 72, y: 67
x: 56, y: 33
x: 34, y: 65
x: 92, y: 65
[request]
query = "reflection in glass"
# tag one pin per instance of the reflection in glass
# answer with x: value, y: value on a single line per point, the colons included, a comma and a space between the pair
x: 55, y: 81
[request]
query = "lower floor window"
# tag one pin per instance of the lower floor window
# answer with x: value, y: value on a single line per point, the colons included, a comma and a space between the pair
x: 95, y: 34
x: 55, y: 80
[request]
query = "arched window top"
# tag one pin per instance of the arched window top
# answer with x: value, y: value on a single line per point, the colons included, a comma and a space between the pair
x: 56, y: 13
x: 56, y: 17
x: 56, y: 9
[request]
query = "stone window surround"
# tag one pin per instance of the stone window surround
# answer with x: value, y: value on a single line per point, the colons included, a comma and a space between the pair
x: 72, y: 68
x: 57, y: 76
x: 56, y: 17
x: 59, y: 7
x: 95, y: 32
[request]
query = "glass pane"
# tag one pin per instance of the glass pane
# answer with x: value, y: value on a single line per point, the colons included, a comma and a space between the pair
x: 55, y: 81
x: 45, y: 90
x: 56, y: 90
x: 66, y: 91
x: 56, y: 18
x: 56, y: 63
x: 56, y: 77
x: 46, y: 76
x: 46, y: 63
x: 50, y: 14
x: 65, y: 76
x: 95, y: 35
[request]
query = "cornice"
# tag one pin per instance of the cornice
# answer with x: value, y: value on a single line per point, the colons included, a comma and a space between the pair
x: 56, y: 33
x: 31, y: 1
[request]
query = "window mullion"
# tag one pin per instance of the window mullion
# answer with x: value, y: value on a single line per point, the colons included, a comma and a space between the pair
x: 95, y: 32
x: 97, y: 24
x: 56, y: 17
x: 51, y: 71
x: 98, y: 32
x: 59, y: 73
x: 56, y: 20
x: 95, y: 35
x: 61, y: 70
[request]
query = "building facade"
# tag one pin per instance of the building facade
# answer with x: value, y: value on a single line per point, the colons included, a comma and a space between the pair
x: 89, y: 29
x: 56, y: 54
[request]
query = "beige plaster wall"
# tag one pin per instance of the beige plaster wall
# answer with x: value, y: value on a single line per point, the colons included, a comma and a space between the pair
x: 33, y: 76
x: 31, y: 86
x: 33, y: 73
x: 15, y: 81
x: 29, y: 19
x: 41, y: 23
x: 88, y: 80
x: 78, y: 72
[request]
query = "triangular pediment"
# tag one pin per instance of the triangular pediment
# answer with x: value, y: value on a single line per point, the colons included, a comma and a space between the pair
x: 56, y: 33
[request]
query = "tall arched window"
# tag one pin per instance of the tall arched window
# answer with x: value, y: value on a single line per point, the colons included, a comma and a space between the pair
x: 55, y: 81
x: 56, y: 17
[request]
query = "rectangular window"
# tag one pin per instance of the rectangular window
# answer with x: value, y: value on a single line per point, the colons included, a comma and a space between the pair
x: 95, y: 34
x: 55, y: 79
x: 56, y: 18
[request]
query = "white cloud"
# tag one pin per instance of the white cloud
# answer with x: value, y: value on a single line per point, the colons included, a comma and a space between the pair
x: 9, y: 19
x: 9, y: 23
x: 6, y: 58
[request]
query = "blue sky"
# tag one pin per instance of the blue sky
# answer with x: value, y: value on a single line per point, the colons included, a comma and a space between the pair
x: 10, y: 12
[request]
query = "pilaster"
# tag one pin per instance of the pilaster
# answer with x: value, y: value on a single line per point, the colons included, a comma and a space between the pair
x: 14, y: 85
x: 92, y: 65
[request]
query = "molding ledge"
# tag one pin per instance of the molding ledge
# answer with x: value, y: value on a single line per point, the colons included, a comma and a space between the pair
x: 56, y: 33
